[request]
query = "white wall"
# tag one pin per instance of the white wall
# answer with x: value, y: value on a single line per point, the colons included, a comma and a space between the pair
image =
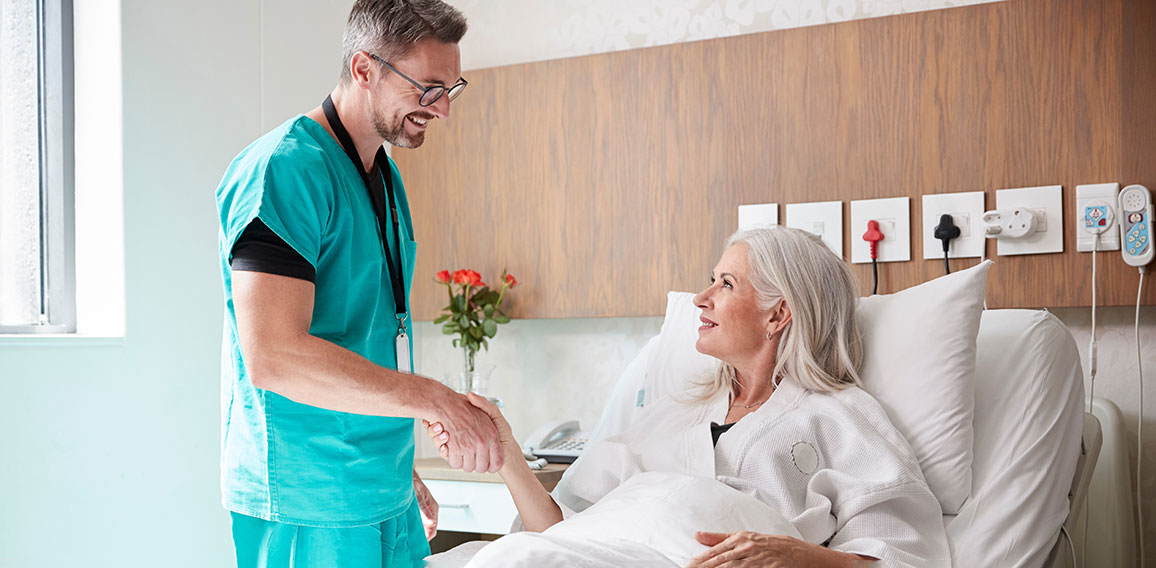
x: 542, y: 369
x: 109, y: 449
x: 503, y: 32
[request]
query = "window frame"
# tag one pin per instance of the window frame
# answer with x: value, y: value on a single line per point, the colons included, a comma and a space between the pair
x: 56, y: 149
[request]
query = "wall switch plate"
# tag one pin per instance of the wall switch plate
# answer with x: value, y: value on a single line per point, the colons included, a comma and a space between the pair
x: 760, y: 215
x: 1102, y: 211
x: 894, y: 217
x: 966, y: 210
x: 824, y: 219
x: 1048, y: 203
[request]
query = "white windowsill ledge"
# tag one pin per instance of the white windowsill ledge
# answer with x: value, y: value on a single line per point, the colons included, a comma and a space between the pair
x: 59, y: 340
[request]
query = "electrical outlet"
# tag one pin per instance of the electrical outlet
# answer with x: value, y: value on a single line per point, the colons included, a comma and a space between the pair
x: 1047, y: 202
x: 759, y: 215
x: 1096, y: 210
x: 966, y: 210
x: 824, y: 219
x: 894, y: 217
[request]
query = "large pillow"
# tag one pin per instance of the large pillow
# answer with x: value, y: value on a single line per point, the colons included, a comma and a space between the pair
x: 919, y: 364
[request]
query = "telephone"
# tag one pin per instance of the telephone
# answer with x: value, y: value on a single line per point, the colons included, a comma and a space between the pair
x: 559, y: 441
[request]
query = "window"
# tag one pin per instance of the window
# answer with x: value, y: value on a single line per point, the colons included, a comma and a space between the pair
x: 37, y: 274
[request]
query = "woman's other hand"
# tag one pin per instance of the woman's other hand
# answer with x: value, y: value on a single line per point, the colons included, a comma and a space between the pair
x: 748, y: 549
x: 438, y: 435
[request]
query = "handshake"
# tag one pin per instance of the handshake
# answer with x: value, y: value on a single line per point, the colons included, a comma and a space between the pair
x: 471, y: 434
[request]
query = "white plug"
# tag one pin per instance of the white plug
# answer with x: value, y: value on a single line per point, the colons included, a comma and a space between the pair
x: 1017, y: 223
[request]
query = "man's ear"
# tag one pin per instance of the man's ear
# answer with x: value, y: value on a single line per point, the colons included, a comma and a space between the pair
x: 361, y: 68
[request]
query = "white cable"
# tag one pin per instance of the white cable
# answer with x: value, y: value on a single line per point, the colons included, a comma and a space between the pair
x: 1071, y: 545
x: 1092, y: 343
x: 987, y: 234
x: 1091, y: 394
x: 1140, y: 421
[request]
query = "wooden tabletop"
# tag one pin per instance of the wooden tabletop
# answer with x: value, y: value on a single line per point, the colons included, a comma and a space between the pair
x: 437, y: 468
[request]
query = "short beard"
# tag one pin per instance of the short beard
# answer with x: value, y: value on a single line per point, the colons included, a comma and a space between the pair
x: 395, y: 134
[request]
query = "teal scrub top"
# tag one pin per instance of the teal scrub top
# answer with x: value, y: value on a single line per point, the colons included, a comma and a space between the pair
x: 294, y: 463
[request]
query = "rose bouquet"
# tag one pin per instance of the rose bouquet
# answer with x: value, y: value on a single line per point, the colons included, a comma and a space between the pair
x: 474, y: 311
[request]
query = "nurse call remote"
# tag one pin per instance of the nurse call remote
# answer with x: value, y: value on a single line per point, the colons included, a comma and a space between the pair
x: 1136, y: 225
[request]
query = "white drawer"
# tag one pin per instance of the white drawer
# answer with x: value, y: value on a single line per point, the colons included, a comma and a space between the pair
x: 473, y: 506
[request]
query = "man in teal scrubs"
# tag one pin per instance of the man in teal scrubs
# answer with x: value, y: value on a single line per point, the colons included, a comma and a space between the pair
x: 317, y: 252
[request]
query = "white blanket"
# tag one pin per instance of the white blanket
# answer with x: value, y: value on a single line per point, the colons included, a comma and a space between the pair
x: 648, y: 522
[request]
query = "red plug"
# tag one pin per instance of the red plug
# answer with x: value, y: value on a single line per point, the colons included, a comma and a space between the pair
x: 873, y: 236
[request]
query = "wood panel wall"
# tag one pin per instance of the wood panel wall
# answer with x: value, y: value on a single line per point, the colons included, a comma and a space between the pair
x: 603, y: 181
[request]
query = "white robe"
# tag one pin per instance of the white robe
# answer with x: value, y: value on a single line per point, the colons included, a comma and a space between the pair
x: 832, y: 464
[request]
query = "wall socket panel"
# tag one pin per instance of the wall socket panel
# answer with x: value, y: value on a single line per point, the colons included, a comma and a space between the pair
x: 824, y: 219
x: 966, y: 210
x: 894, y: 217
x: 758, y: 215
x: 1105, y: 212
x: 1048, y: 203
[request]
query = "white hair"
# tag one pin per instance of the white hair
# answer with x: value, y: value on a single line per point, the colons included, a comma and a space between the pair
x: 820, y: 348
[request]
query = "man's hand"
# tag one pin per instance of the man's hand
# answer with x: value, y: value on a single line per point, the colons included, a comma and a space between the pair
x: 428, y: 506
x: 750, y: 550
x: 472, y: 440
x: 510, y: 448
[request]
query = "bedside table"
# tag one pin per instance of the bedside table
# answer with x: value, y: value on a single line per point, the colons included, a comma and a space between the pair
x: 476, y: 502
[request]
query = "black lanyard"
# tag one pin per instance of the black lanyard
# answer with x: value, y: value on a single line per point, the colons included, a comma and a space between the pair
x: 395, y: 268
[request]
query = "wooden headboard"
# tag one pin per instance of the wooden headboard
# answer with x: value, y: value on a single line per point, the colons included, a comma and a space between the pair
x: 603, y: 181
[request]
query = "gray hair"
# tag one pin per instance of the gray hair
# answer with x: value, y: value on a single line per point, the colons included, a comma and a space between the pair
x: 390, y: 28
x: 821, y: 347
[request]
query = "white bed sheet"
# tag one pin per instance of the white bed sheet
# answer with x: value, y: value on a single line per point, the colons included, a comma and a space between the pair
x: 647, y: 522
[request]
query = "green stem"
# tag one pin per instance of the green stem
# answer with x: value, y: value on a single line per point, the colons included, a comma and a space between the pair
x: 501, y: 295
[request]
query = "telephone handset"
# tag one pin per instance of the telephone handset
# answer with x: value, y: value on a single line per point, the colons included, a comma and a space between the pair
x: 559, y: 441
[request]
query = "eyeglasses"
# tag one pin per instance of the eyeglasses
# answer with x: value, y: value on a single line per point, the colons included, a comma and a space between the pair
x: 429, y: 95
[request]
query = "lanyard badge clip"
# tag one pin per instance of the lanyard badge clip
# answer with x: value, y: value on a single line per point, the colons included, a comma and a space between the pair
x: 402, y: 345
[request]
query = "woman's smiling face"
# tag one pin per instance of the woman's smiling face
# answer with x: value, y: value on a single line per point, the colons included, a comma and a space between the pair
x: 733, y: 328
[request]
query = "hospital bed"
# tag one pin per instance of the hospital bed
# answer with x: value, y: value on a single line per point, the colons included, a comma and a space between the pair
x: 1035, y: 447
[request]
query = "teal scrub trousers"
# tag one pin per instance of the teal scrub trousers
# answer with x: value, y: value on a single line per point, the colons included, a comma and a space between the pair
x: 395, y: 543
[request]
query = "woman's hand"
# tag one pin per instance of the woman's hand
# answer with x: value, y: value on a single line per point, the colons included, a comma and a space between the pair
x: 509, y: 445
x: 748, y: 549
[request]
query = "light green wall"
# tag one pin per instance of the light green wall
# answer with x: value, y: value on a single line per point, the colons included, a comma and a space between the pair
x: 109, y: 453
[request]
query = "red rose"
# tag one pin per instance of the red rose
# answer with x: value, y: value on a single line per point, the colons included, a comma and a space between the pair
x: 510, y: 281
x: 444, y: 277
x: 474, y: 278
x: 461, y: 277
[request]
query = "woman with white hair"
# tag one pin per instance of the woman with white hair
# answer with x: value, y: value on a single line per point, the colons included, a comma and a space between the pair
x: 788, y: 421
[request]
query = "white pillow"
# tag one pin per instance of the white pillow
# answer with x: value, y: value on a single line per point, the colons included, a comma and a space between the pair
x: 674, y: 362
x: 919, y: 363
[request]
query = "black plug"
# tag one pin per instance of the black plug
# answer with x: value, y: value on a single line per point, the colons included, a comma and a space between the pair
x: 946, y: 231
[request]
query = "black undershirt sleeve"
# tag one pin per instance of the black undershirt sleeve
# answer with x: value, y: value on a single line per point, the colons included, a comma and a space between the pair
x: 259, y: 249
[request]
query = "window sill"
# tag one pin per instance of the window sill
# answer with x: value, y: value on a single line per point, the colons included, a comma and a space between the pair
x: 59, y: 340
